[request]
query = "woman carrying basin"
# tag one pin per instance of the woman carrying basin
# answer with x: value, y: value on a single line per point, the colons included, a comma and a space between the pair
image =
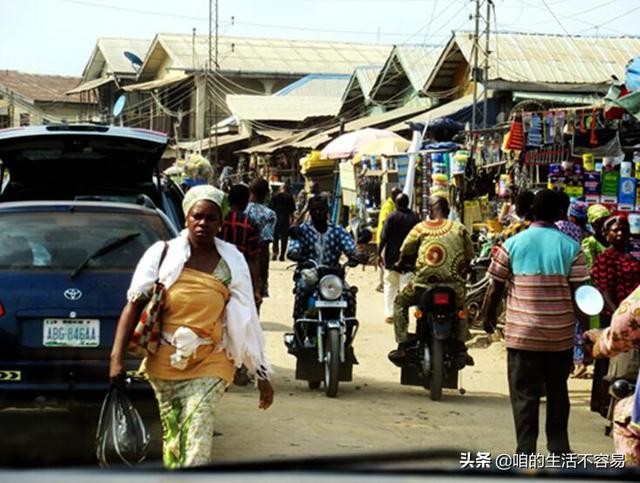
x: 209, y: 327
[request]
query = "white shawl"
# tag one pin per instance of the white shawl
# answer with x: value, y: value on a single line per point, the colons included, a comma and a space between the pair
x: 242, y: 336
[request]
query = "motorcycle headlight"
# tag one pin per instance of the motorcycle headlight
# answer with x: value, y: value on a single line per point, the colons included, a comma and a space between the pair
x: 330, y: 287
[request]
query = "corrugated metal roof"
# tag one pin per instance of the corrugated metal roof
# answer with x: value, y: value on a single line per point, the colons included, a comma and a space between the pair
x: 417, y: 62
x: 38, y: 87
x: 317, y: 85
x: 543, y: 59
x: 252, y: 55
x: 367, y: 76
x: 108, y: 57
x: 282, y: 108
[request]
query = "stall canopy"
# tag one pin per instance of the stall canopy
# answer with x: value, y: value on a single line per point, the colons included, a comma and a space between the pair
x: 203, y: 144
x: 155, y: 84
x: 458, y: 110
x: 90, y: 85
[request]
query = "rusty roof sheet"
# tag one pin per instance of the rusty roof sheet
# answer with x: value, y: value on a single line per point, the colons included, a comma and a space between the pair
x: 40, y: 87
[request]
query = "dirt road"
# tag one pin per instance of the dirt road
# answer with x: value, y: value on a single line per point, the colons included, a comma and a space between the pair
x: 374, y: 412
x: 371, y: 414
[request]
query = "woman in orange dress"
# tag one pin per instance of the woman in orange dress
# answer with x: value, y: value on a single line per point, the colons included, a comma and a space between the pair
x: 209, y: 327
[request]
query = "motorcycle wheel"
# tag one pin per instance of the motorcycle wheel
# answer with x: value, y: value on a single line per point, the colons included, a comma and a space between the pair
x: 332, y: 363
x: 314, y: 384
x: 437, y: 370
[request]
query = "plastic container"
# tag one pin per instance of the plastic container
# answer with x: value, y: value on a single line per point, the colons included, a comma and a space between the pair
x: 589, y: 162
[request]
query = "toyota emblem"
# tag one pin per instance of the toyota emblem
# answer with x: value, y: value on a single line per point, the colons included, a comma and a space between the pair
x: 72, y: 294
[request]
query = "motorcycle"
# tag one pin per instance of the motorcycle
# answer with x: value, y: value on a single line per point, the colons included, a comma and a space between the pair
x: 322, y: 340
x: 478, y: 280
x: 431, y: 361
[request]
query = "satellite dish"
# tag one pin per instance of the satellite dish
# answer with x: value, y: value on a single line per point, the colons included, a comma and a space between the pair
x: 589, y: 300
x: 133, y: 58
x: 118, y: 106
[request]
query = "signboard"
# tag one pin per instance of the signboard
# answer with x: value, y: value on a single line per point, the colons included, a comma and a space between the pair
x: 592, y: 182
x: 627, y: 194
x: 610, y: 184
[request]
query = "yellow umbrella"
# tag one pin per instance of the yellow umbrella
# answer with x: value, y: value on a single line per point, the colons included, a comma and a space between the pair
x: 382, y: 147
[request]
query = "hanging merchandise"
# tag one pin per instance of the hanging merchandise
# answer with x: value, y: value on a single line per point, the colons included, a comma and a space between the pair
x: 559, y: 120
x: 460, y: 162
x: 504, y: 186
x: 627, y: 194
x: 427, y: 169
x: 534, y: 134
x: 610, y: 183
x: 549, y: 132
x: 516, y: 135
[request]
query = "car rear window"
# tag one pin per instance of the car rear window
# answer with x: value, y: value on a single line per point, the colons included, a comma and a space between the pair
x: 64, y: 240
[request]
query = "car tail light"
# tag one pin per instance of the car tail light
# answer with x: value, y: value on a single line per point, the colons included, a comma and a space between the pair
x: 441, y: 298
x: 2, y: 312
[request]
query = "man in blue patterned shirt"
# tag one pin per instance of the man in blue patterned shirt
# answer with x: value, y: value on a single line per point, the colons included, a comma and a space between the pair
x: 264, y: 219
x: 320, y: 241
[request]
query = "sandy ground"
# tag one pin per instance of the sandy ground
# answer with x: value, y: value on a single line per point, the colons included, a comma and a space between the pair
x: 374, y: 412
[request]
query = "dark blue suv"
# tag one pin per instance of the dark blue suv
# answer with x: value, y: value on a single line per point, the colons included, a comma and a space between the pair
x: 64, y: 272
x: 79, y: 205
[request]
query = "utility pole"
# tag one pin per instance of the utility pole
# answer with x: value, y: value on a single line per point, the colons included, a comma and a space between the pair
x: 215, y: 110
x: 211, y: 84
x: 485, y: 75
x: 474, y: 71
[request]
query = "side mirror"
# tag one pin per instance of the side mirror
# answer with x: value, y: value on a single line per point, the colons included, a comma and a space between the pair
x: 364, y: 236
x: 589, y: 300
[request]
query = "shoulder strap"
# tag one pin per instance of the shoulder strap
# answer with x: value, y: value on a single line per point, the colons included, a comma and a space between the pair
x: 164, y: 254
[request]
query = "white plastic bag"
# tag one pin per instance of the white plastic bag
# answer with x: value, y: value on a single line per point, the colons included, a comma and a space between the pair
x: 121, y: 434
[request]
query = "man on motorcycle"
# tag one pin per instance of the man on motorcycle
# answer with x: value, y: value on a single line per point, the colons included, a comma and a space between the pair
x: 322, y: 242
x: 444, y: 251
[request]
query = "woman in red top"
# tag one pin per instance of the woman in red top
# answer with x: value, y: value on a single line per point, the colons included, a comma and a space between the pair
x: 616, y: 274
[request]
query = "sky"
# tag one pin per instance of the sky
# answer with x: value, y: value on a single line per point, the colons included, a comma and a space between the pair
x: 58, y: 36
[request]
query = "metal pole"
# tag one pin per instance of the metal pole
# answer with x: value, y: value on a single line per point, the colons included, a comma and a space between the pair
x: 215, y: 105
x: 474, y: 72
x: 486, y: 65
x: 208, y: 84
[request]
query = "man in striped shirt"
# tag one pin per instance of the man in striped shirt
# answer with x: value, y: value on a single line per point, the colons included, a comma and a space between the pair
x: 541, y: 268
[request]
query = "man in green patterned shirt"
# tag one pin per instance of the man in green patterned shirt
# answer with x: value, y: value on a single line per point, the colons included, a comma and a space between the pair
x: 444, y: 251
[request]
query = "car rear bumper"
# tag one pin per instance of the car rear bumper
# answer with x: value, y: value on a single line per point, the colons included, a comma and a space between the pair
x: 55, y: 383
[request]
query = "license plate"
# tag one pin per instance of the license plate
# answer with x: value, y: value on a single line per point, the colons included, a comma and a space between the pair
x: 71, y: 333
x: 337, y: 304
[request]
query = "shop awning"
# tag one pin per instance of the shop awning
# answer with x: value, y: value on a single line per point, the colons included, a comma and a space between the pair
x: 155, y: 84
x: 203, y: 144
x: 272, y: 146
x: 377, y: 120
x: 452, y: 108
x: 560, y: 97
x: 90, y: 85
